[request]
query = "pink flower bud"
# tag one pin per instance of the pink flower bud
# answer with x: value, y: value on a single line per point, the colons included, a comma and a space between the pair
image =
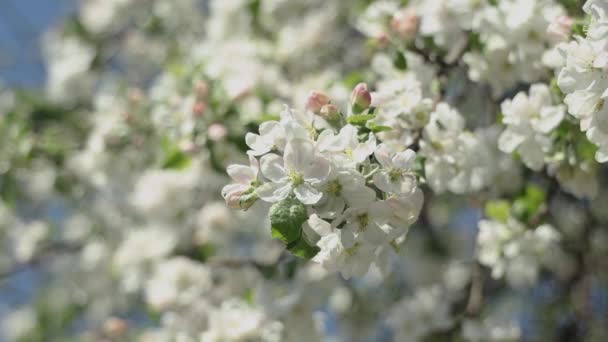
x: 115, y: 326
x: 330, y: 112
x: 187, y: 146
x: 240, y: 199
x: 361, y: 98
x: 316, y: 100
x: 405, y: 23
x: 560, y: 28
x: 199, y: 108
x: 382, y: 40
x: 217, y: 132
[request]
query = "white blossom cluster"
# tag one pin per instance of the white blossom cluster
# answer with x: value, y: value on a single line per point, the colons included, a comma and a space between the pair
x: 358, y: 205
x: 514, y: 252
x: 337, y: 174
x: 583, y: 77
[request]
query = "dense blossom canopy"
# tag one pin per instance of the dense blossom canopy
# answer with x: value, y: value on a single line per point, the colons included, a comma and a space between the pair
x: 321, y: 170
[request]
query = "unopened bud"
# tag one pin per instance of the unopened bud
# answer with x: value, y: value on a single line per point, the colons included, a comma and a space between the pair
x: 382, y: 40
x: 405, y: 23
x: 316, y: 100
x: 199, y: 108
x: 361, y: 98
x: 115, y: 327
x: 217, y: 132
x: 331, y: 113
x: 560, y: 28
x: 239, y: 199
x: 187, y: 146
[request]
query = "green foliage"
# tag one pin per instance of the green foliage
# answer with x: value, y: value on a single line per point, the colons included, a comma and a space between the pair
x: 399, y: 61
x: 302, y: 249
x: 530, y: 203
x: 359, y: 119
x: 173, y: 157
x: 377, y: 128
x: 286, y: 219
x: 352, y: 79
x: 498, y: 210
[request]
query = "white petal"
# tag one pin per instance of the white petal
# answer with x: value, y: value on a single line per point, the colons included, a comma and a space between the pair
x: 257, y: 144
x: 404, y: 160
x: 272, y: 168
x: 382, y: 155
x: 509, y: 141
x: 240, y: 173
x: 274, y: 192
x: 550, y: 117
x: 299, y: 154
x: 307, y: 194
x: 383, y: 182
x: 317, y: 171
x: 320, y: 226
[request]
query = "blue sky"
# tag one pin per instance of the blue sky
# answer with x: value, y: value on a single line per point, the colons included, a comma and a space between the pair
x: 21, y: 24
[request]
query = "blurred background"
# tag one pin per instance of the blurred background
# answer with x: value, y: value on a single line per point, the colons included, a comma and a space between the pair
x: 22, y: 23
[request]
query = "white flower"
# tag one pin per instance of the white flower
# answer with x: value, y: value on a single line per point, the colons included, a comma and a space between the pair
x: 427, y: 311
x: 344, y: 187
x: 345, y: 147
x: 584, y: 81
x: 246, y: 178
x: 301, y: 170
x: 456, y: 160
x: 396, y: 175
x: 598, y: 9
x: 177, y: 281
x: 529, y: 120
x: 272, y: 136
x: 514, y: 251
x: 334, y: 256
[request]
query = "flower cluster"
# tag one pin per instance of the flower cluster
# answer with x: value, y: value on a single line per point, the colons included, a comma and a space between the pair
x: 529, y: 120
x: 515, y: 252
x: 583, y: 77
x: 360, y: 195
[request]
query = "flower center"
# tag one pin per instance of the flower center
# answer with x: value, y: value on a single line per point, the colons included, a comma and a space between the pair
x: 363, y: 221
x: 351, y: 251
x: 296, y: 178
x: 395, y: 174
x: 334, y: 188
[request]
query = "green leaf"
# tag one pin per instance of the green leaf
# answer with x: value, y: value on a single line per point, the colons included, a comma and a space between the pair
x: 498, y: 210
x: 176, y: 160
x: 529, y: 204
x: 359, y: 119
x: 585, y: 149
x: 377, y: 128
x: 173, y: 157
x: 399, y: 61
x: 302, y: 249
x: 352, y: 79
x: 286, y: 219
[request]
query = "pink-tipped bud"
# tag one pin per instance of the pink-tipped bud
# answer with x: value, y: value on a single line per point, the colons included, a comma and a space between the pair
x: 361, y: 98
x: 331, y: 113
x: 187, y: 146
x: 199, y: 108
x: 240, y: 199
x: 561, y: 28
x: 115, y: 327
x: 382, y: 40
x: 217, y: 132
x: 405, y: 23
x: 316, y: 100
